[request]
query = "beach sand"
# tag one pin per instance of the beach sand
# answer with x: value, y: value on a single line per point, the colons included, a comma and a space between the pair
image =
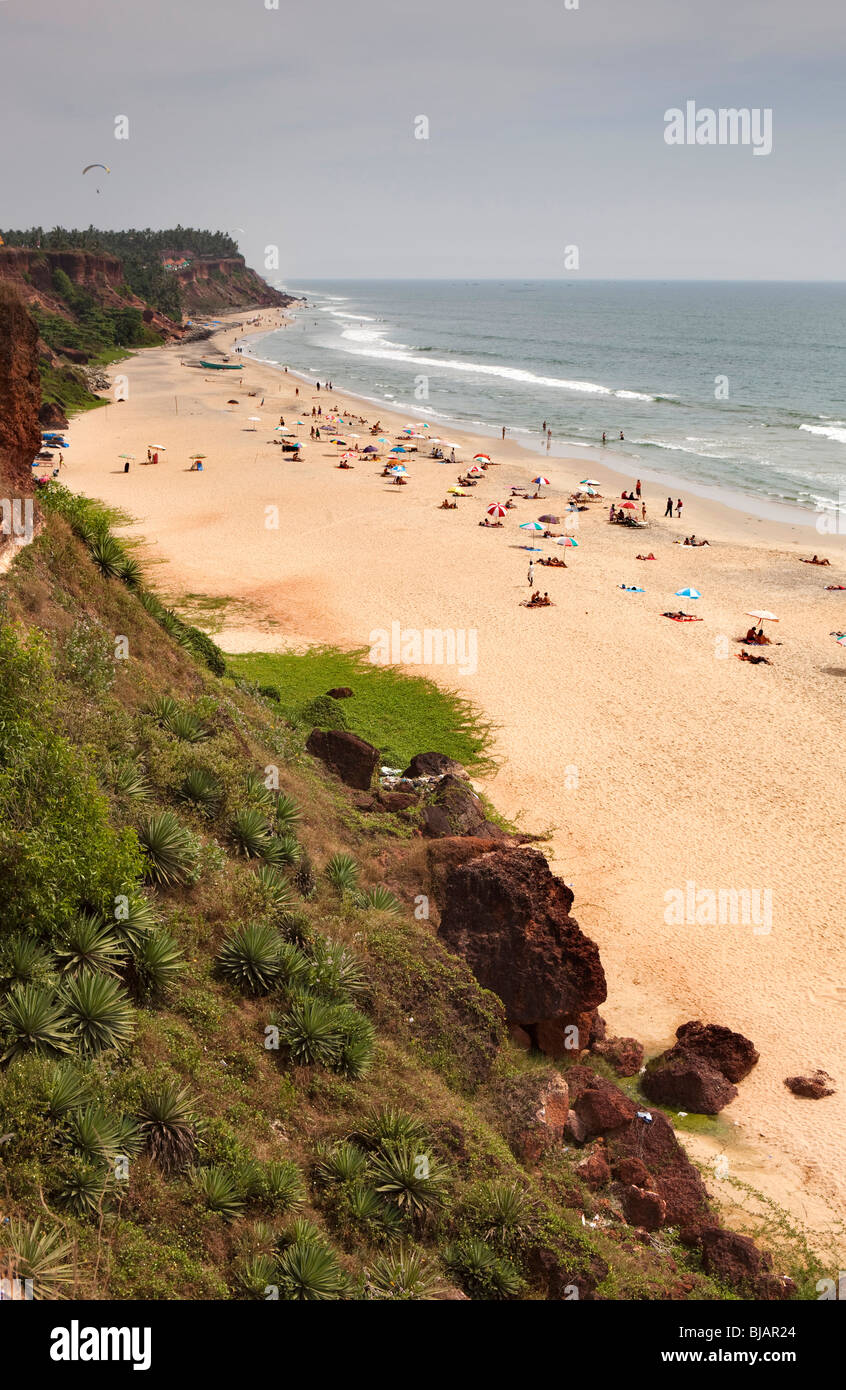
x: 655, y: 757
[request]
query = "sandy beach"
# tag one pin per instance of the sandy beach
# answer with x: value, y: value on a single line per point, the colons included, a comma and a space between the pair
x: 656, y: 758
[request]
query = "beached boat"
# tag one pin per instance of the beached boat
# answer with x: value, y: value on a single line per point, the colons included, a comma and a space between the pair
x: 223, y: 366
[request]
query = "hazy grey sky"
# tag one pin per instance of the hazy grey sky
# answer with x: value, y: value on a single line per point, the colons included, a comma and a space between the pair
x: 546, y: 129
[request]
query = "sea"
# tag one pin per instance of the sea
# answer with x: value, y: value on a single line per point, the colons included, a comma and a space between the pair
x: 734, y: 390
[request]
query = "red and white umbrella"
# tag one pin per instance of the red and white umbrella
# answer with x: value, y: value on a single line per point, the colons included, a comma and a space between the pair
x: 496, y: 509
x: 628, y: 506
x: 474, y: 469
x: 482, y: 458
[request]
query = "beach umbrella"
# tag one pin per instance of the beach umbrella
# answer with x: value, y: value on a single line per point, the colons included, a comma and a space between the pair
x: 762, y: 614
x: 566, y: 540
x: 591, y: 491
x: 370, y: 449
x: 496, y: 509
x: 540, y: 481
x: 348, y: 455
x: 688, y: 593
x: 197, y: 456
x: 552, y: 520
x: 231, y: 402
x: 531, y: 526
x: 842, y: 638
x: 254, y: 420
x: 278, y: 429
x: 161, y: 448
x: 400, y: 470
x: 589, y: 482
x: 628, y: 507
x: 398, y: 449
x: 127, y: 456
x: 474, y: 470
x: 482, y: 458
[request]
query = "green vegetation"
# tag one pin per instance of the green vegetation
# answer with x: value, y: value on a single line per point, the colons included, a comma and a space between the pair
x: 231, y: 1059
x: 400, y: 714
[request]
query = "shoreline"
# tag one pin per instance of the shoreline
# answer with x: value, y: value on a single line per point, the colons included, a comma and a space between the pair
x: 691, y: 766
x: 614, y: 467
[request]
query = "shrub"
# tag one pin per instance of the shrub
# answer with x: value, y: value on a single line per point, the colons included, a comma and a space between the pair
x: 23, y: 961
x: 207, y: 650
x: 138, y: 917
x: 388, y: 1125
x: 218, y: 1188
x: 89, y: 944
x: 256, y: 1276
x: 33, y: 1020
x: 82, y: 1187
x: 344, y: 1163
x: 99, y: 1136
x: 108, y: 555
x: 357, y: 1042
x: 277, y: 892
x: 323, y: 713
x: 257, y: 793
x: 482, y: 1271
x: 186, y: 727
x: 250, y: 957
x: 303, y: 876
x: 170, y: 849
x: 99, y: 1012
x: 336, y: 973
x: 168, y: 1126
x: 65, y: 1090
x: 128, y: 779
x: 281, y: 1185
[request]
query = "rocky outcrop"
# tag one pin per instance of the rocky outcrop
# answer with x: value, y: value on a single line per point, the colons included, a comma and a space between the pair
x: 455, y: 809
x: 644, y: 1208
x: 686, y: 1081
x: 535, y: 1108
x: 814, y: 1087
x: 20, y: 396
x: 625, y: 1055
x: 340, y: 692
x: 729, y: 1052
x: 434, y: 765
x: 736, y: 1261
x: 211, y: 285
x: 347, y: 755
x: 509, y: 917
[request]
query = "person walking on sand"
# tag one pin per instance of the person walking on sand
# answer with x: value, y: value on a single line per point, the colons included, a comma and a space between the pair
x: 531, y: 575
x: 668, y: 510
x: 678, y: 508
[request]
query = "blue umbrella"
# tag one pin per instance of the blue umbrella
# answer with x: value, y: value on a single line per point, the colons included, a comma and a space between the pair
x: 688, y: 593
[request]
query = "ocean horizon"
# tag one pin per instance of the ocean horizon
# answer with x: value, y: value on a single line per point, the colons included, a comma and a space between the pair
x: 732, y: 387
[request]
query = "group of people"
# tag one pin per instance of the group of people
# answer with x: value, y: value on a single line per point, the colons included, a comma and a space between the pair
x: 668, y: 510
x: 605, y: 441
x: 539, y: 600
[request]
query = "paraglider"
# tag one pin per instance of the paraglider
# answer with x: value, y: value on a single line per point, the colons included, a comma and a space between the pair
x: 97, y: 166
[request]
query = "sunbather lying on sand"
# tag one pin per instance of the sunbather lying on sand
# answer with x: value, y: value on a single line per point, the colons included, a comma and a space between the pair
x: 489, y: 525
x: 816, y: 561
x: 448, y: 506
x: 555, y: 562
x: 650, y: 556
x: 747, y: 656
x: 682, y: 617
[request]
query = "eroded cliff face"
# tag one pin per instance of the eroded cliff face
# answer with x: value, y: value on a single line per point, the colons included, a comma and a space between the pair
x: 212, y: 286
x: 32, y: 271
x: 20, y: 431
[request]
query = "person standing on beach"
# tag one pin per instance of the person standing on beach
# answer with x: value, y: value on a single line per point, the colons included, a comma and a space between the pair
x: 643, y: 511
x: 678, y: 508
x: 668, y: 510
x: 637, y: 489
x: 531, y: 573
x: 503, y: 432
x: 543, y: 428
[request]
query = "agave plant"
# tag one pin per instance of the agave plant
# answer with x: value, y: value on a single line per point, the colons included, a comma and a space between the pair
x: 220, y: 1191
x: 301, y: 1231
x: 23, y: 961
x: 158, y: 961
x: 276, y: 889
x: 342, y: 872
x: 288, y: 815
x: 89, y: 944
x: 131, y: 572
x: 303, y: 876
x: 257, y: 1276
x: 367, y: 1210
x: 379, y: 899
x: 135, y: 917
x: 281, y: 1185
x: 98, y: 1011
x: 311, y: 1273
x: 404, y: 1275
x: 310, y: 1032
x: 39, y: 1253
x: 169, y: 848
x: 128, y: 779
x: 82, y: 1187
x: 294, y: 967
x: 163, y: 709
x: 336, y: 974
x: 99, y: 1136
x: 409, y: 1177
x: 201, y: 789
x: 281, y: 850
x: 344, y: 1163
x: 108, y: 555
x: 258, y: 1238
x: 187, y: 727
x: 33, y: 1020
x: 65, y: 1090
x: 388, y: 1125
x: 481, y: 1270
x: 168, y: 1126
x: 250, y: 957
x: 358, y: 1037
x: 257, y: 792
x: 248, y: 828
x: 502, y: 1210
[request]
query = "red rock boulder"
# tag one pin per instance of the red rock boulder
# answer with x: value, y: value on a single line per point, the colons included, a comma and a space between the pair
x: 347, y: 755
x: 625, y: 1055
x: 644, y: 1208
x: 729, y: 1052
x: 687, y: 1081
x: 813, y: 1087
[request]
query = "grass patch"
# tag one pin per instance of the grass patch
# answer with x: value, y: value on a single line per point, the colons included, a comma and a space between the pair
x: 400, y: 714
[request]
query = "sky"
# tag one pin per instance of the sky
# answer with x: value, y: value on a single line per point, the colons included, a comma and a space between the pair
x: 546, y: 125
